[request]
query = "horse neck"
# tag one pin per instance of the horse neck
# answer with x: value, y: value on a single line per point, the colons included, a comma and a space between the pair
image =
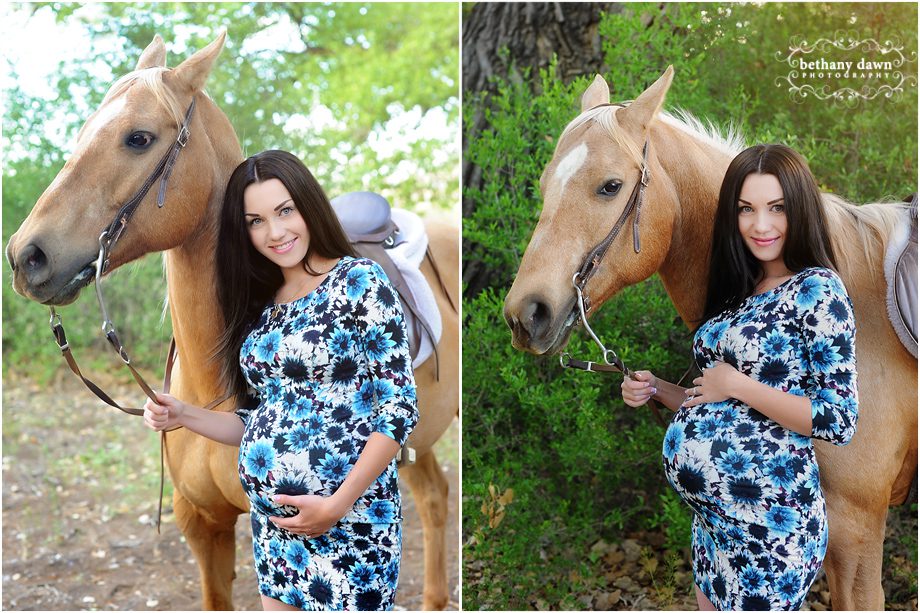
x: 693, y: 171
x: 191, y: 267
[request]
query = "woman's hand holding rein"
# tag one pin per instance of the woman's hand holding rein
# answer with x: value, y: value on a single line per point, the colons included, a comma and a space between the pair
x: 638, y: 391
x: 169, y: 412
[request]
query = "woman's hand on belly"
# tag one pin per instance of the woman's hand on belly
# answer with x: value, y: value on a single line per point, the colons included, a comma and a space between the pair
x: 722, y: 382
x: 316, y: 514
x: 716, y: 385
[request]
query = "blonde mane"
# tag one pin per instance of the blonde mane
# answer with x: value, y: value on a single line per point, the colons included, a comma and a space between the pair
x: 870, y: 225
x: 731, y: 142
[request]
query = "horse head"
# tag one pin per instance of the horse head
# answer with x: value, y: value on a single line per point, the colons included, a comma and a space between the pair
x: 53, y: 253
x: 586, y: 187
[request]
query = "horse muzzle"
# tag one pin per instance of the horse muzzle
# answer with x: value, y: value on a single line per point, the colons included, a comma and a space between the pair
x: 35, y: 276
x: 535, y: 327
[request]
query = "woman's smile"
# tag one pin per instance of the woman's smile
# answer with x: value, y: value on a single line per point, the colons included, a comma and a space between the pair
x: 283, y: 247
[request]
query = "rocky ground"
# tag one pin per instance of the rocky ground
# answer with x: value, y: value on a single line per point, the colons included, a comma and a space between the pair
x: 79, y: 508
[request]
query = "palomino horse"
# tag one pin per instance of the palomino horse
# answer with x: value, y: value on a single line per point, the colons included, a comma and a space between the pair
x: 57, y: 244
x: 603, y: 147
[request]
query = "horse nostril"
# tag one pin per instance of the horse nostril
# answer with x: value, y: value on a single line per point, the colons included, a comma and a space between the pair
x: 35, y: 263
x: 535, y: 317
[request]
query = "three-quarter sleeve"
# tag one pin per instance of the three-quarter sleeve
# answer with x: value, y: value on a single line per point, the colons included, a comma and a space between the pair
x: 382, y: 335
x: 829, y: 330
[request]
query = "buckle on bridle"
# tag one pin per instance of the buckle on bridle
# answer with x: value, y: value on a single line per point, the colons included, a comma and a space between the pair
x: 57, y: 329
x: 182, y: 138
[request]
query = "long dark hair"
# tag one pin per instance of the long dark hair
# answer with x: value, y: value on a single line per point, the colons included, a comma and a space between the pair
x: 733, y: 269
x: 247, y: 280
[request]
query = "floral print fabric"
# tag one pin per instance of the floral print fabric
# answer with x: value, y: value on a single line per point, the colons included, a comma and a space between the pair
x: 325, y: 373
x: 760, y: 524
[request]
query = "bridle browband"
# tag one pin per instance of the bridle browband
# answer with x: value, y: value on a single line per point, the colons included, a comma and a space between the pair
x: 107, y: 241
x: 612, y: 362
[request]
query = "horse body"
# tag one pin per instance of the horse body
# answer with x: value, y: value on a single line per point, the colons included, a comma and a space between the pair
x: 687, y: 165
x: 56, y: 246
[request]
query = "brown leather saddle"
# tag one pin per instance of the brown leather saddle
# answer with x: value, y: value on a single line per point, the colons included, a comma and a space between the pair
x: 366, y: 219
x: 901, y: 277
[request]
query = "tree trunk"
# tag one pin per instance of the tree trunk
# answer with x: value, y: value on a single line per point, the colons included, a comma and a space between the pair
x: 531, y: 33
x: 502, y: 39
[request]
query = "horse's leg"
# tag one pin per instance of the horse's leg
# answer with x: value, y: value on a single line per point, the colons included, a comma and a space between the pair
x: 854, y: 554
x: 429, y: 488
x: 213, y: 543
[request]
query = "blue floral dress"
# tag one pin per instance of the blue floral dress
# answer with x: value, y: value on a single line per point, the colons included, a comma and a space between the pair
x: 325, y: 373
x: 760, y: 524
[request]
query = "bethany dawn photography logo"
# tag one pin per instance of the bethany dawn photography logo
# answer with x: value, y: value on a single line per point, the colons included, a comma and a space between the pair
x: 846, y: 69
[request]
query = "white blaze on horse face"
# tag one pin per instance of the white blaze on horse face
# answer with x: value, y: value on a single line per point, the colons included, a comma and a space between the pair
x: 104, y: 116
x: 567, y: 168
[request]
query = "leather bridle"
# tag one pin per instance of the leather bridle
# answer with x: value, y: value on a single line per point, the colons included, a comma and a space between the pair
x: 107, y: 241
x: 590, y: 265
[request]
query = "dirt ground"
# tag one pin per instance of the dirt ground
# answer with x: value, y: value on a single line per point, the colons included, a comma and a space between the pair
x: 79, y: 509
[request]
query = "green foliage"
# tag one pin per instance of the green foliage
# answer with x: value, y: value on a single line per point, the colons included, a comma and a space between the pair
x: 582, y: 465
x: 350, y: 75
x: 519, y: 140
x: 725, y: 64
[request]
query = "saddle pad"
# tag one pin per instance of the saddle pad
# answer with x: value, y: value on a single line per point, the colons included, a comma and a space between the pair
x: 412, y: 235
x: 408, y: 256
x: 901, y: 277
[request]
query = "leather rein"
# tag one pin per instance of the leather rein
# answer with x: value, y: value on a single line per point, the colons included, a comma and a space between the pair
x: 612, y: 362
x: 107, y: 241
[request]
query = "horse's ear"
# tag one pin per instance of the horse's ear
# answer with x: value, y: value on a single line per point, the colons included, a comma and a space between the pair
x: 597, y: 93
x: 154, y: 55
x: 193, y: 72
x: 643, y: 109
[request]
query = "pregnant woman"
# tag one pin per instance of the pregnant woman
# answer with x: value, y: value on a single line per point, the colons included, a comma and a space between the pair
x: 316, y: 350
x: 776, y: 349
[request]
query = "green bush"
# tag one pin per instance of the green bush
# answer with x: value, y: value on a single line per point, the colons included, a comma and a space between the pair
x: 582, y: 464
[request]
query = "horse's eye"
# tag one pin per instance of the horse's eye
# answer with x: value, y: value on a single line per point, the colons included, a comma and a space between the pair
x: 140, y: 140
x: 610, y: 188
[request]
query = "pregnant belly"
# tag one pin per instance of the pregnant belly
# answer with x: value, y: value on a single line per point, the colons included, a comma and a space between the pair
x: 273, y: 461
x: 710, y: 456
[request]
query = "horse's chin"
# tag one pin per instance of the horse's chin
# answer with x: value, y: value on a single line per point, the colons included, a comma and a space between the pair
x: 71, y: 290
x: 564, y: 333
